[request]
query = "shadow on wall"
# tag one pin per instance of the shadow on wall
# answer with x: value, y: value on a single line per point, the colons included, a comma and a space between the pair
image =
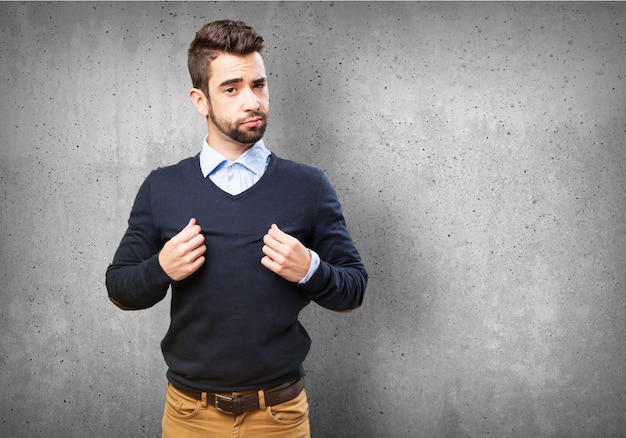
x: 365, y: 364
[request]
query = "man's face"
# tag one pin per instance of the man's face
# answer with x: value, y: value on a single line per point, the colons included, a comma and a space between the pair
x: 238, y: 101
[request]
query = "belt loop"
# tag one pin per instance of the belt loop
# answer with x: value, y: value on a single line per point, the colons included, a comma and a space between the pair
x: 204, y: 400
x: 262, y: 400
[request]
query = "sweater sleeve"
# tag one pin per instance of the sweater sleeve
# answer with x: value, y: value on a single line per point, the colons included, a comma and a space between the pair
x: 135, y: 279
x: 340, y: 280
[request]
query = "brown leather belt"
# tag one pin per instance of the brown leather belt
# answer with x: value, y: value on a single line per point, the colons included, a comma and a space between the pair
x: 238, y: 404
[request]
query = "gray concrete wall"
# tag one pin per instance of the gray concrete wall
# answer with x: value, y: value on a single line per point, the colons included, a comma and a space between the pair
x: 478, y: 149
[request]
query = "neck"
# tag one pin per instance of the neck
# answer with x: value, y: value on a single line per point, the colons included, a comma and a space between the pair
x: 227, y: 147
x: 230, y: 153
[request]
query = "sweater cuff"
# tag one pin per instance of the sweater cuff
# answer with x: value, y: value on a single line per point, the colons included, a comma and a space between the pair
x: 155, y: 273
x: 318, y: 280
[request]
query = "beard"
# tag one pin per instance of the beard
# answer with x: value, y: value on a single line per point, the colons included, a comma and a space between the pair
x: 234, y: 130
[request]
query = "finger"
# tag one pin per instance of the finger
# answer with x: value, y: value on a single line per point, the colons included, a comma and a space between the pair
x: 197, y: 252
x: 200, y: 248
x: 271, y: 242
x: 279, y: 234
x: 194, y: 242
x: 282, y: 241
x: 190, y: 224
x: 270, y: 264
x: 272, y: 254
x: 191, y: 230
x: 196, y: 264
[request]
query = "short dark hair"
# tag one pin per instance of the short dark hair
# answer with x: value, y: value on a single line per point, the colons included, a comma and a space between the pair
x: 226, y: 36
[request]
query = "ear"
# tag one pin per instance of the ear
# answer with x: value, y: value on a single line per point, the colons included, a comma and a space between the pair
x: 199, y: 101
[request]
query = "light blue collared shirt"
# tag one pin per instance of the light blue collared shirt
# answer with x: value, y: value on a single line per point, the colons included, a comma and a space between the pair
x: 235, y: 177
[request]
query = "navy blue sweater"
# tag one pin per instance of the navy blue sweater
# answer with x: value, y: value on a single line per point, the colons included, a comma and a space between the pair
x: 234, y: 324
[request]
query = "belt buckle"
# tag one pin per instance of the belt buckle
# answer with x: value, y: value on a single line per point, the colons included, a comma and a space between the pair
x: 233, y: 403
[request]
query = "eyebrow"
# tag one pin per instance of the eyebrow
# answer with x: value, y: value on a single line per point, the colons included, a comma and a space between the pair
x: 237, y: 80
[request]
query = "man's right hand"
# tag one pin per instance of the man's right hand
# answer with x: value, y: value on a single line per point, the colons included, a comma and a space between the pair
x: 183, y: 254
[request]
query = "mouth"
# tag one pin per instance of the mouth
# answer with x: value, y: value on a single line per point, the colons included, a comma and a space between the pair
x: 253, y: 123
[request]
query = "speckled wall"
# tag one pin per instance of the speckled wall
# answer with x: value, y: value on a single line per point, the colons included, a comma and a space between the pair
x: 478, y: 150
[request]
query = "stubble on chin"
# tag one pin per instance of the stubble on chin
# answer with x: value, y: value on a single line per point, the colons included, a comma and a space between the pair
x: 247, y: 135
x: 239, y: 134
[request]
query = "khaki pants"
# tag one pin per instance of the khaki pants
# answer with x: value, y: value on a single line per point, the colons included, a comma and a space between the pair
x: 186, y: 417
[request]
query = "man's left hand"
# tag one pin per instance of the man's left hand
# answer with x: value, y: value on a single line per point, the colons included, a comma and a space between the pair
x: 285, y: 255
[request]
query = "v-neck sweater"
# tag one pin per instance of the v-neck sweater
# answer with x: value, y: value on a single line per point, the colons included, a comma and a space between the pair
x: 234, y: 324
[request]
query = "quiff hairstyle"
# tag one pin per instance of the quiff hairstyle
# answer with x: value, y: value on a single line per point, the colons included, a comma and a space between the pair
x: 222, y: 36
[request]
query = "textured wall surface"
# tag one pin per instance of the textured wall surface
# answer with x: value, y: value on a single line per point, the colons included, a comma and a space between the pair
x: 479, y: 153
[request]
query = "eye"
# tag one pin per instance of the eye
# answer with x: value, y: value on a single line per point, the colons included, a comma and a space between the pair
x: 230, y: 90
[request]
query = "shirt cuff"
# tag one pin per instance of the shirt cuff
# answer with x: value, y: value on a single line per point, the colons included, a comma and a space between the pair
x: 315, y: 263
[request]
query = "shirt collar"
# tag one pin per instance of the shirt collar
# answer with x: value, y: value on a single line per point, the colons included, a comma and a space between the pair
x: 255, y: 159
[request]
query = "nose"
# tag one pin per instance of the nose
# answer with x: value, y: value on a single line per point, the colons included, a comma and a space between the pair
x: 251, y: 101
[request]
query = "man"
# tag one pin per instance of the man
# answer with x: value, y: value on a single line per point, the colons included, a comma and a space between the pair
x: 246, y: 240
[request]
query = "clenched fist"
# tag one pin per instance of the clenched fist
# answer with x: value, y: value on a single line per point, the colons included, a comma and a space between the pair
x: 285, y: 255
x: 183, y: 254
